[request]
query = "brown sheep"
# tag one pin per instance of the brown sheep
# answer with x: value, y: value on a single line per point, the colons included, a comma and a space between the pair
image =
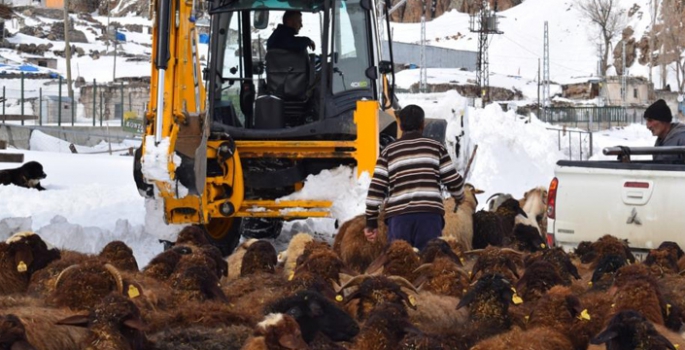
x: 83, y: 286
x: 492, y: 260
x: 235, y: 260
x: 352, y: 246
x: 113, y: 324
x: 321, y: 262
x: 385, y: 328
x: 260, y: 257
x: 559, y: 259
x: 375, y: 290
x: 40, y: 328
x: 398, y: 259
x: 487, y: 230
x: 459, y: 224
x: 538, y: 278
x: 21, y: 256
x: 13, y: 334
x: 276, y: 332
x: 442, y: 277
x: 636, y: 289
x: 629, y: 329
x: 295, y: 249
x: 164, y: 264
x: 120, y: 256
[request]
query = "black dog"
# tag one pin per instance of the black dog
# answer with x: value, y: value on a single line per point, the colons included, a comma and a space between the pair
x: 27, y: 175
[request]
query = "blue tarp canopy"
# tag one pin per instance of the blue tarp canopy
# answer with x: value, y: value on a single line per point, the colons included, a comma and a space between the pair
x: 27, y: 68
x: 204, y: 38
x: 121, y: 36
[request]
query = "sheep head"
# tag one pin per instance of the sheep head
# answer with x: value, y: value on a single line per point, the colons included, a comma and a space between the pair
x: 260, y: 256
x: 116, y: 320
x: 13, y: 334
x: 193, y: 236
x: 436, y: 248
x: 314, y: 313
x: 280, y: 332
x: 375, y: 290
x: 82, y: 286
x: 120, y: 255
x: 627, y: 329
x: 30, y: 252
x: 198, y: 283
x: 489, y: 299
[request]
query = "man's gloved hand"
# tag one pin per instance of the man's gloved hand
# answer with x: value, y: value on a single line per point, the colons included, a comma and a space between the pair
x: 371, y: 234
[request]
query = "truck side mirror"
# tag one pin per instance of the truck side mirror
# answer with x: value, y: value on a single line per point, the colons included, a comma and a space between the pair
x: 261, y: 19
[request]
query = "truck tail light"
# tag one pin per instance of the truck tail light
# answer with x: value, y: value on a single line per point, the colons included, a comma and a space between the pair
x: 550, y: 240
x: 552, y: 198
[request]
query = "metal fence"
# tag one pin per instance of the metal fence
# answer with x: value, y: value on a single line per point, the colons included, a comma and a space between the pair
x: 578, y: 140
x: 592, y: 118
x: 95, y: 104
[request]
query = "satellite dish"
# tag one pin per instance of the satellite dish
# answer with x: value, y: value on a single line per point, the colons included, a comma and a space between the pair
x: 680, y: 98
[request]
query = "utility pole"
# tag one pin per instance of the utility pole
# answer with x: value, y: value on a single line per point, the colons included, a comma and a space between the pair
x: 423, y: 79
x: 539, y: 85
x: 484, y: 22
x: 624, y: 85
x: 546, y: 96
x: 601, y: 77
x: 67, y: 49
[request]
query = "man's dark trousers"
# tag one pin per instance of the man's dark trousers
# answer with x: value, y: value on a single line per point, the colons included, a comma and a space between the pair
x: 415, y: 228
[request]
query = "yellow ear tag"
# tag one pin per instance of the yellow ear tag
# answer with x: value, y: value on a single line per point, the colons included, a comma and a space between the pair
x: 339, y: 298
x: 668, y: 309
x: 462, y: 260
x: 21, y: 267
x: 292, y: 275
x: 613, y: 305
x: 133, y: 292
x: 527, y: 318
x: 412, y: 300
x: 584, y: 315
x: 589, y: 283
x: 676, y: 346
x: 542, y: 245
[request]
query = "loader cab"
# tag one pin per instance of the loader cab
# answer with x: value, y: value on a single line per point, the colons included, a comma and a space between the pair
x: 255, y: 93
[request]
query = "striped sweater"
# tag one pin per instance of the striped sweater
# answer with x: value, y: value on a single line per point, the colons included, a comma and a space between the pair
x: 409, y: 174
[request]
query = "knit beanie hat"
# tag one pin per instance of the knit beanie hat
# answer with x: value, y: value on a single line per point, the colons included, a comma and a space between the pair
x: 660, y: 111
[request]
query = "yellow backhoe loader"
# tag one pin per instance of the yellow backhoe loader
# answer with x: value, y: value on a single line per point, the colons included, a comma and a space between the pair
x: 223, y: 142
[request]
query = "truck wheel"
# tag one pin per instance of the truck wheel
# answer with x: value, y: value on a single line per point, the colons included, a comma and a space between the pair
x: 223, y: 233
x: 146, y: 190
x: 262, y: 227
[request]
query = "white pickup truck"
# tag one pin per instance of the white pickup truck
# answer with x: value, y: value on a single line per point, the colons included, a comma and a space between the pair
x: 641, y: 201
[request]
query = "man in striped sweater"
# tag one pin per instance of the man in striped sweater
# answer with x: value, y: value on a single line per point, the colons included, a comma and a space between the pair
x: 408, y: 177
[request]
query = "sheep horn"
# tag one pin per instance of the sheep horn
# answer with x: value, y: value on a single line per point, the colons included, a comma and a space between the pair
x: 354, y: 281
x: 61, y: 274
x: 474, y: 252
x: 421, y: 269
x: 117, y: 277
x: 509, y: 250
x: 403, y: 283
x: 494, y: 195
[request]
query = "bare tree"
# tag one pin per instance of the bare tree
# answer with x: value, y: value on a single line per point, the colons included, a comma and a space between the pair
x: 610, y: 19
x: 672, y: 37
x: 654, y: 10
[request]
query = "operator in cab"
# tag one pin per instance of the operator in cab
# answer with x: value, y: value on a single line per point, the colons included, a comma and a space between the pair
x: 285, y: 36
x: 668, y: 133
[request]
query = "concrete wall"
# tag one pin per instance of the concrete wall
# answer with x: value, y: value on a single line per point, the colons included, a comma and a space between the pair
x: 436, y: 57
x: 19, y: 136
x: 135, y: 97
x: 614, y: 93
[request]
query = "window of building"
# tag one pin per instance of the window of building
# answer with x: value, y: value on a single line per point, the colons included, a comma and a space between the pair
x: 635, y: 93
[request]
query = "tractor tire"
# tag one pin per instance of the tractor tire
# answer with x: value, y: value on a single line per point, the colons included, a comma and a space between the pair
x: 262, y: 227
x: 223, y: 233
x: 146, y: 190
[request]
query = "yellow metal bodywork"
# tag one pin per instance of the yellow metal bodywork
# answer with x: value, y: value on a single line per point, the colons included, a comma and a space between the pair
x: 184, y: 122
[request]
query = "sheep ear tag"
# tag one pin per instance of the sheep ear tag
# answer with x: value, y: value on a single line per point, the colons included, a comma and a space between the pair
x: 339, y: 298
x: 584, y: 315
x: 21, y: 267
x: 543, y: 246
x: 412, y: 300
x: 133, y: 292
x: 516, y: 299
x: 292, y: 275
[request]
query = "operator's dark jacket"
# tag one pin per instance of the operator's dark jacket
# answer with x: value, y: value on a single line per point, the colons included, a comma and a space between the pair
x: 675, y: 137
x: 284, y: 38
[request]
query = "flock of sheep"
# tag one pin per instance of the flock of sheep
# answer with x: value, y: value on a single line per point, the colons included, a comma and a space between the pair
x: 491, y: 282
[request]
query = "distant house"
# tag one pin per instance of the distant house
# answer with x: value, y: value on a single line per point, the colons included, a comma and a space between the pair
x: 39, y: 61
x: 638, y: 91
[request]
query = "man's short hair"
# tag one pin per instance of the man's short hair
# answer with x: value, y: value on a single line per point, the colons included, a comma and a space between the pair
x: 411, y: 118
x: 288, y: 15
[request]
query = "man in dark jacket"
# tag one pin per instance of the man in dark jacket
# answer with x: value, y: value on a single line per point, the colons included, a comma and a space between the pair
x: 408, y: 177
x: 668, y: 133
x: 284, y: 37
